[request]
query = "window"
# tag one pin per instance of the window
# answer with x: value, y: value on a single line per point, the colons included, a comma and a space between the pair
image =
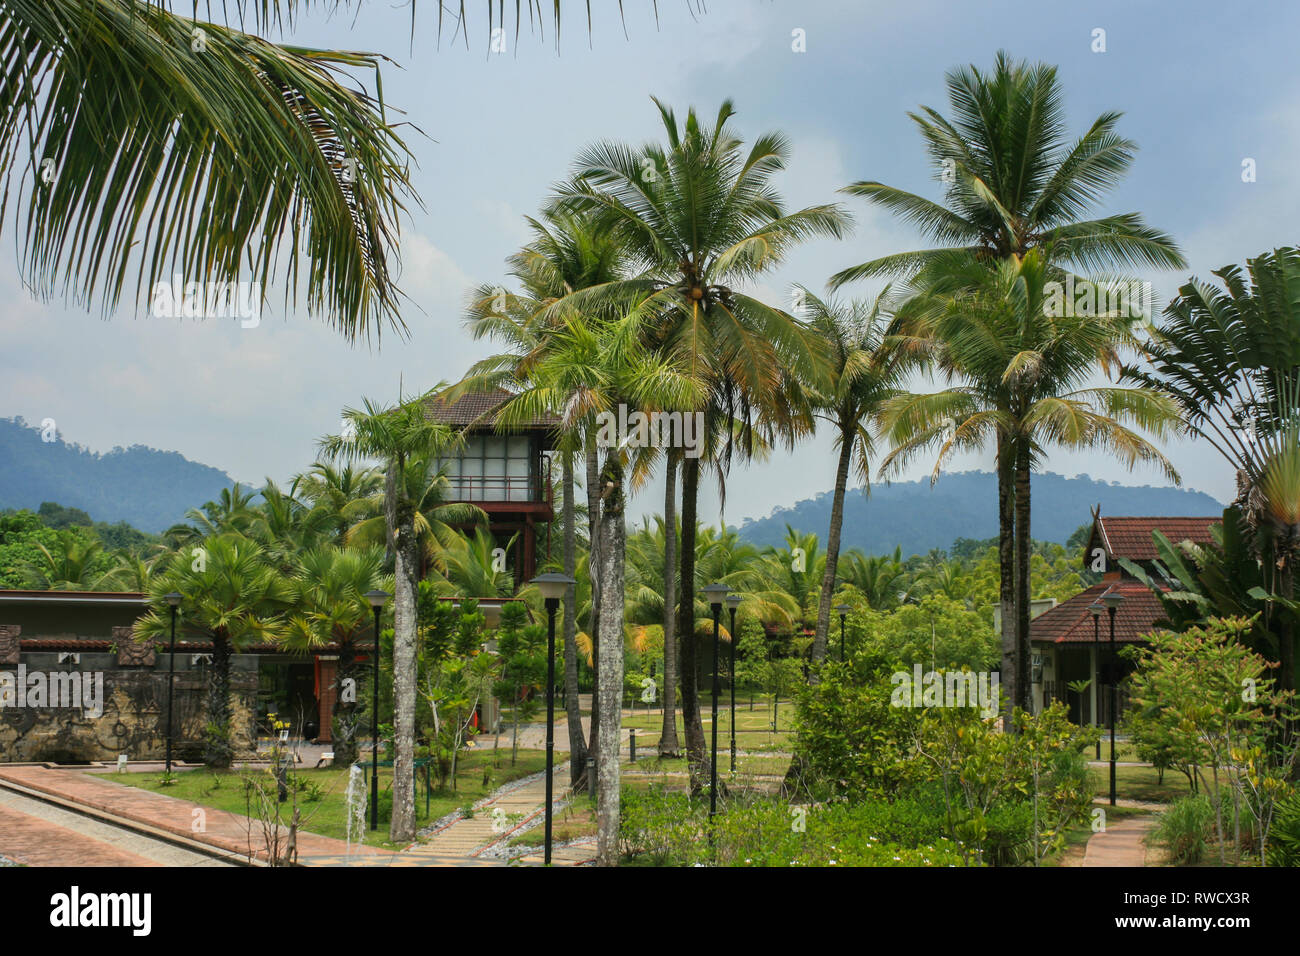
x: 491, y: 468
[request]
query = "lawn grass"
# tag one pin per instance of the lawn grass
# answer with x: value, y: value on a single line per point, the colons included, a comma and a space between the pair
x: 1140, y: 783
x: 322, y: 801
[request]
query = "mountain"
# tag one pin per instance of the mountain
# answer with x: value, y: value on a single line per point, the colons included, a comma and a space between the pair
x: 918, y: 517
x: 142, y: 486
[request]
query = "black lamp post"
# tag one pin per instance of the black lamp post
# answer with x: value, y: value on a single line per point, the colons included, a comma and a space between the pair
x: 552, y: 586
x: 174, y: 599
x: 376, y: 599
x: 1095, y: 609
x: 733, y: 602
x: 844, y: 610
x: 1113, y: 599
x: 715, y: 593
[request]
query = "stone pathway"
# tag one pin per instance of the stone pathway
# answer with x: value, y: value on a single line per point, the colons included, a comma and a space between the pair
x: 1122, y: 843
x: 481, y: 839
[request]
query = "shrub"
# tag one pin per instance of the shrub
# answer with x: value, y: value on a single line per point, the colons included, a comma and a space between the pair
x: 1284, y: 835
x: 1185, y: 827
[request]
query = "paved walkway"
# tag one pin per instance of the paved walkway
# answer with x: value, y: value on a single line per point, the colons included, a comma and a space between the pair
x: 1122, y: 843
x: 232, y: 833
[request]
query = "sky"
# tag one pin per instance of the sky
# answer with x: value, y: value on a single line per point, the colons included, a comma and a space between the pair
x: 1203, y: 87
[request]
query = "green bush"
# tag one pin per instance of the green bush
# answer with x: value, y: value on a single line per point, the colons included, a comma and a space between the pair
x: 1184, y: 829
x: 1284, y: 835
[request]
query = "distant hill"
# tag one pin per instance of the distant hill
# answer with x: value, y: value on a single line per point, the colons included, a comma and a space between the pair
x: 142, y: 486
x: 918, y: 517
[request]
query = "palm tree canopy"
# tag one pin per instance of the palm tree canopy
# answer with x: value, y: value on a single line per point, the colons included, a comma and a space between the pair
x: 1013, y: 182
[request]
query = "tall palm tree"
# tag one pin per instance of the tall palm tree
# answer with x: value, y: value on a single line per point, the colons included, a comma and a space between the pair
x: 1023, y: 376
x: 591, y: 368
x: 234, y: 596
x: 396, y: 436
x: 699, y: 216
x: 862, y: 374
x: 1014, y: 183
x: 1228, y: 357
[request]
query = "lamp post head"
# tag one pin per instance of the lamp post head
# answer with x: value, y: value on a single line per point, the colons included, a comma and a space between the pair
x: 377, y: 598
x: 552, y: 585
x: 843, y: 609
x: 1095, y: 609
x: 173, y: 598
x: 1113, y: 599
x: 733, y: 601
x: 715, y: 592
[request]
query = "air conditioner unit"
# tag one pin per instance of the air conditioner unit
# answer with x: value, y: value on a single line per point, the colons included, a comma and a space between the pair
x: 69, y: 657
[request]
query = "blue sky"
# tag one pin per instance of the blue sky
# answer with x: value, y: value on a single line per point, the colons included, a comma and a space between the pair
x: 1202, y: 86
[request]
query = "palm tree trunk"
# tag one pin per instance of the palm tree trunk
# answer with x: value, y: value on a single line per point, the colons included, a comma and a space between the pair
x: 847, y: 438
x: 696, y: 754
x: 1024, y: 544
x: 572, y: 710
x: 218, y: 750
x: 406, y: 561
x: 668, y: 744
x: 344, y: 730
x: 1007, y: 577
x: 594, y: 562
x: 613, y: 538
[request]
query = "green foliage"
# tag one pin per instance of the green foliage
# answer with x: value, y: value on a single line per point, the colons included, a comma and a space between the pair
x: 1184, y: 828
x: 1284, y: 837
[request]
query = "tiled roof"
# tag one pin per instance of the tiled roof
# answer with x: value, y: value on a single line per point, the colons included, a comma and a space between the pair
x: 1127, y: 537
x: 1071, y: 623
x: 477, y: 408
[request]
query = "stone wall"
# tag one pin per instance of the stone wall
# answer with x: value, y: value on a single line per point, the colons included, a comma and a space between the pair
x: 134, y: 709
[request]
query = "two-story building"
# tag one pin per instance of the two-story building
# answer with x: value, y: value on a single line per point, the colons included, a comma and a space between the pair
x: 506, y: 473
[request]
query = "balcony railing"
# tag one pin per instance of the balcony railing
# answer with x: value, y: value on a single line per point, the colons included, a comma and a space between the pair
x: 521, y: 488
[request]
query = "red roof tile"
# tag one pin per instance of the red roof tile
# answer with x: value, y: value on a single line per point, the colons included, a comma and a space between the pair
x: 1071, y: 622
x: 1129, y: 537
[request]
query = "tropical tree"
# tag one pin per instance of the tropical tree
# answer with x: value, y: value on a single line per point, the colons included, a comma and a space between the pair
x: 74, y: 560
x: 330, y: 607
x: 397, y: 436
x: 699, y: 216
x: 1023, y: 374
x: 568, y: 252
x: 1013, y: 183
x: 604, y: 366
x: 341, y: 497
x: 1229, y: 358
x: 881, y: 578
x: 233, y: 595
x: 862, y: 373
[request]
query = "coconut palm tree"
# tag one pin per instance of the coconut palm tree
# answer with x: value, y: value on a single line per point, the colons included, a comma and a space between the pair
x: 590, y: 369
x: 397, y: 436
x: 1228, y: 357
x: 340, y: 496
x: 1013, y: 183
x: 233, y: 595
x: 1023, y: 376
x: 881, y: 578
x: 260, y: 152
x: 568, y: 252
x: 863, y: 372
x: 698, y: 216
